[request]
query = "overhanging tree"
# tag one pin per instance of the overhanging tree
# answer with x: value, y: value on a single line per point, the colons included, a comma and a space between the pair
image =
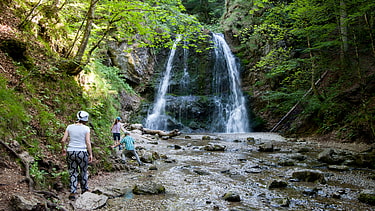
x: 147, y: 23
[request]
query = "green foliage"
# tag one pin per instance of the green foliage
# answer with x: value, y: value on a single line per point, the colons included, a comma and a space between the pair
x: 145, y: 23
x: 39, y: 176
x: 13, y: 114
x: 60, y: 175
x: 281, y: 102
x: 207, y: 12
x: 287, y: 45
x: 102, y: 90
x: 111, y: 75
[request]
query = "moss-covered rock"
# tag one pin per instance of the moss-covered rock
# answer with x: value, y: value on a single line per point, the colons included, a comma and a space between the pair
x: 17, y: 50
x: 367, y: 196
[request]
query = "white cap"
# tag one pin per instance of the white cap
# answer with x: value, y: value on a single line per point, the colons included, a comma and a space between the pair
x: 83, y: 116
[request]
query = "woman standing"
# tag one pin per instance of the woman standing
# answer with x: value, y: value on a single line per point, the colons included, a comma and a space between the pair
x: 116, y: 131
x: 78, y: 152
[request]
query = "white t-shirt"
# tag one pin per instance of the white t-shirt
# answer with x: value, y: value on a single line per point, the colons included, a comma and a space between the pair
x: 77, y: 134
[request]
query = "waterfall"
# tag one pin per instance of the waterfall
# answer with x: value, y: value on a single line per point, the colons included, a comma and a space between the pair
x: 158, y: 119
x: 231, y: 113
x: 206, y: 97
x: 185, y: 81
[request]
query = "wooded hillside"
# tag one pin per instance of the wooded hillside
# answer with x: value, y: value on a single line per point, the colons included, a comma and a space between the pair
x: 312, y: 60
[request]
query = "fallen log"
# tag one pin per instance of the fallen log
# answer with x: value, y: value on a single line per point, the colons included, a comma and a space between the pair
x: 161, y: 133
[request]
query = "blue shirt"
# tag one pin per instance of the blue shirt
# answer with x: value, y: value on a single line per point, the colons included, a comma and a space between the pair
x: 129, y: 142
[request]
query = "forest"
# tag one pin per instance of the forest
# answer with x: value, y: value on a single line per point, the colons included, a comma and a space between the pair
x: 307, y: 68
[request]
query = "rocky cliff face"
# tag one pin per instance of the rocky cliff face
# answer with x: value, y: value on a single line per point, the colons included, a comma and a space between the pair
x: 136, y: 68
x: 196, y: 88
x: 136, y: 64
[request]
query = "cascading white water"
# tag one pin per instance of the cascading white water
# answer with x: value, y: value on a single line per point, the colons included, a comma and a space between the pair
x: 222, y: 109
x: 185, y: 80
x: 158, y: 119
x: 184, y: 85
x: 231, y: 112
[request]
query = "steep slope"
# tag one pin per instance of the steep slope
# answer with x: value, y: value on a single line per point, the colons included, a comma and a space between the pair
x: 332, y: 92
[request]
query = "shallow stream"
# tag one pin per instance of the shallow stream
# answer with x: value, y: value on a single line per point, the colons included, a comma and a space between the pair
x: 196, y: 179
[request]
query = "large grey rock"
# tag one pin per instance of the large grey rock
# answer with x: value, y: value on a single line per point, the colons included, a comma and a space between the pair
x: 111, y: 191
x: 277, y: 184
x: 214, y: 147
x: 90, y: 201
x: 309, y: 176
x: 149, y: 188
x: 334, y: 156
x: 232, y: 197
x: 267, y: 147
x: 24, y: 202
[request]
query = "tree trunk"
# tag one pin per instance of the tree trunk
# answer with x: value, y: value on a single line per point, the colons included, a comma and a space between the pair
x: 295, y: 106
x: 74, y: 67
x: 313, y: 85
x: 75, y: 39
x: 87, y: 32
x: 22, y: 24
x: 371, y: 34
x: 343, y: 25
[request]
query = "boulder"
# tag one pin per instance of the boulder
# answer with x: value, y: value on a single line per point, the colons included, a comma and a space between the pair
x: 90, y: 201
x: 367, y: 196
x: 149, y: 156
x: 148, y: 188
x: 334, y: 156
x: 206, y: 138
x: 136, y: 126
x: 214, y: 147
x: 29, y: 202
x: 232, y: 197
x: 266, y: 147
x: 309, y: 176
x: 201, y: 172
x: 277, y: 184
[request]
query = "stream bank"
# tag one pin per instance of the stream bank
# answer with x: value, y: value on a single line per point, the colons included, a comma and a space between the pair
x: 262, y: 171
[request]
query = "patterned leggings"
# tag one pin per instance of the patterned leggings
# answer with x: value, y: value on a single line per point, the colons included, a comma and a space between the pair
x: 77, y: 161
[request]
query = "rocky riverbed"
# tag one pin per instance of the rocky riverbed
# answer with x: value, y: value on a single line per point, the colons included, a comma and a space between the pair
x: 253, y: 171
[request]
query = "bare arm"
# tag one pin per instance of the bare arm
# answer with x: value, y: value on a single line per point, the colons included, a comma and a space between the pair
x: 118, y: 144
x: 63, y: 140
x: 122, y: 128
x: 88, y: 145
x: 113, y: 146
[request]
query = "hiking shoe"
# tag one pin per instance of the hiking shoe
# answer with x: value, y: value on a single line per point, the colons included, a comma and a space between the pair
x: 72, y: 196
x: 86, y: 190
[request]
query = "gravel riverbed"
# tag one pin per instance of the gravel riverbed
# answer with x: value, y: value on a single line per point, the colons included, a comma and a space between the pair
x: 197, y: 179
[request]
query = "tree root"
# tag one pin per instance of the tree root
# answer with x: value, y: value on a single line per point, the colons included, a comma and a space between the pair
x: 25, y: 164
x: 46, y: 194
